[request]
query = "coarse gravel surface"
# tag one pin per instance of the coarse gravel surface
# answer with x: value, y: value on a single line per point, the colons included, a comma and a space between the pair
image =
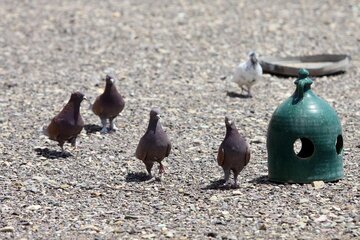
x: 175, y: 55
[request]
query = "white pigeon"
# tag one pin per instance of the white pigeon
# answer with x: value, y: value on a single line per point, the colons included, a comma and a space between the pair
x: 248, y: 73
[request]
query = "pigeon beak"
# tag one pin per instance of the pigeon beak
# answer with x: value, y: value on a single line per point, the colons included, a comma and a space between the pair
x: 158, y: 116
x: 85, y: 98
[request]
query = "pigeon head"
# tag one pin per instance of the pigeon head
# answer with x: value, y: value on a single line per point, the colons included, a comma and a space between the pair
x: 77, y: 97
x: 229, y: 124
x: 109, y: 80
x: 253, y: 57
x: 155, y: 113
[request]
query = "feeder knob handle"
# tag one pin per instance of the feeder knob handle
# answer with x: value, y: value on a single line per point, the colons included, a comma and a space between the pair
x: 302, y: 84
x: 303, y: 73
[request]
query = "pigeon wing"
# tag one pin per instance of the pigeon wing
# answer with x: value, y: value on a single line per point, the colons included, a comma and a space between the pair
x: 97, y: 107
x: 247, y: 155
x: 168, y: 150
x: 141, y: 150
x: 53, y: 130
x: 221, y: 156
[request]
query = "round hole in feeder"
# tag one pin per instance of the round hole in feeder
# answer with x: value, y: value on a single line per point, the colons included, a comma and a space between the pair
x: 339, y: 144
x: 303, y: 147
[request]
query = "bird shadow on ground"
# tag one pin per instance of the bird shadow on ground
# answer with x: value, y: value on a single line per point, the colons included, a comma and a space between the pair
x: 216, y: 185
x: 263, y: 180
x: 237, y: 95
x: 51, y: 154
x: 92, y: 128
x: 137, y: 177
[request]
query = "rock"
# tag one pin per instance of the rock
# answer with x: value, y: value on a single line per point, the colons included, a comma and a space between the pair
x: 324, y: 211
x: 302, y: 224
x: 131, y: 217
x: 322, y: 218
x: 211, y: 234
x: 32, y: 188
x: 336, y: 208
x: 225, y: 213
x: 303, y: 200
x: 169, y: 234
x: 263, y: 227
x: 213, y: 198
x: 181, y: 18
x: 236, y: 192
x: 33, y: 207
x: 229, y: 237
x: 96, y: 194
x: 118, y: 222
x: 90, y: 227
x: 258, y: 139
x: 318, y: 184
x: 273, y: 27
x: 64, y: 186
x: 148, y: 236
x: 7, y: 229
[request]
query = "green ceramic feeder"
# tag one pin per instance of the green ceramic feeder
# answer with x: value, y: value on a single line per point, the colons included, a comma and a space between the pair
x: 304, y: 138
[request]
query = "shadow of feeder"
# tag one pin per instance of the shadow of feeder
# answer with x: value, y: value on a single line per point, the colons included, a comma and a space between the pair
x: 304, y: 138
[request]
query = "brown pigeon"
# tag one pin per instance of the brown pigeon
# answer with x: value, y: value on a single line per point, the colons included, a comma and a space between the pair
x: 154, y: 146
x: 108, y: 105
x: 234, y: 152
x: 67, y: 125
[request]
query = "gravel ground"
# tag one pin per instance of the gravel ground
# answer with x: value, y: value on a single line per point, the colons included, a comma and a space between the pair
x: 171, y: 54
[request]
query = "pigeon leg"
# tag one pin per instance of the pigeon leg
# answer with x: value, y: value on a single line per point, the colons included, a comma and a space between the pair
x: 61, y: 145
x: 161, y: 172
x: 227, y: 177
x: 73, y: 142
x: 103, y: 123
x: 161, y: 169
x: 149, y: 166
x: 112, y: 124
x: 235, y: 185
x: 242, y: 89
x: 249, y: 92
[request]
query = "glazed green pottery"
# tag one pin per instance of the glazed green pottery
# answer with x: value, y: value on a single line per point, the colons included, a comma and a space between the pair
x: 304, y: 138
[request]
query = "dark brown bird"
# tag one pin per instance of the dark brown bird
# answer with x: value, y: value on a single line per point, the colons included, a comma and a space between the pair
x: 234, y: 152
x: 155, y: 145
x: 67, y: 125
x: 108, y: 105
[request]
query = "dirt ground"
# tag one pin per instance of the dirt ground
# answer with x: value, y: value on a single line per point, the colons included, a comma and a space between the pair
x: 174, y: 55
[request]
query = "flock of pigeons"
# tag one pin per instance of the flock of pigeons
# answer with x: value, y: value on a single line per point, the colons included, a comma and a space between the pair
x: 154, y: 146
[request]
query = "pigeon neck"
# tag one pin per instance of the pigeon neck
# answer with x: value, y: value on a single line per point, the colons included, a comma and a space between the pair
x: 153, y: 123
x: 253, y: 62
x: 75, y: 105
x: 109, y: 88
x: 230, y: 130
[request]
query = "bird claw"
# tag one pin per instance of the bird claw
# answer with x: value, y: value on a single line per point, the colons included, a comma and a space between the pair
x: 153, y: 179
x: 65, y: 153
x: 114, y: 128
x: 104, y: 130
x: 227, y: 184
x: 161, y: 169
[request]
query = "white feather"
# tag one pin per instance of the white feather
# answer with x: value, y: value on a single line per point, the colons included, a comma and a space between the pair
x: 247, y: 74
